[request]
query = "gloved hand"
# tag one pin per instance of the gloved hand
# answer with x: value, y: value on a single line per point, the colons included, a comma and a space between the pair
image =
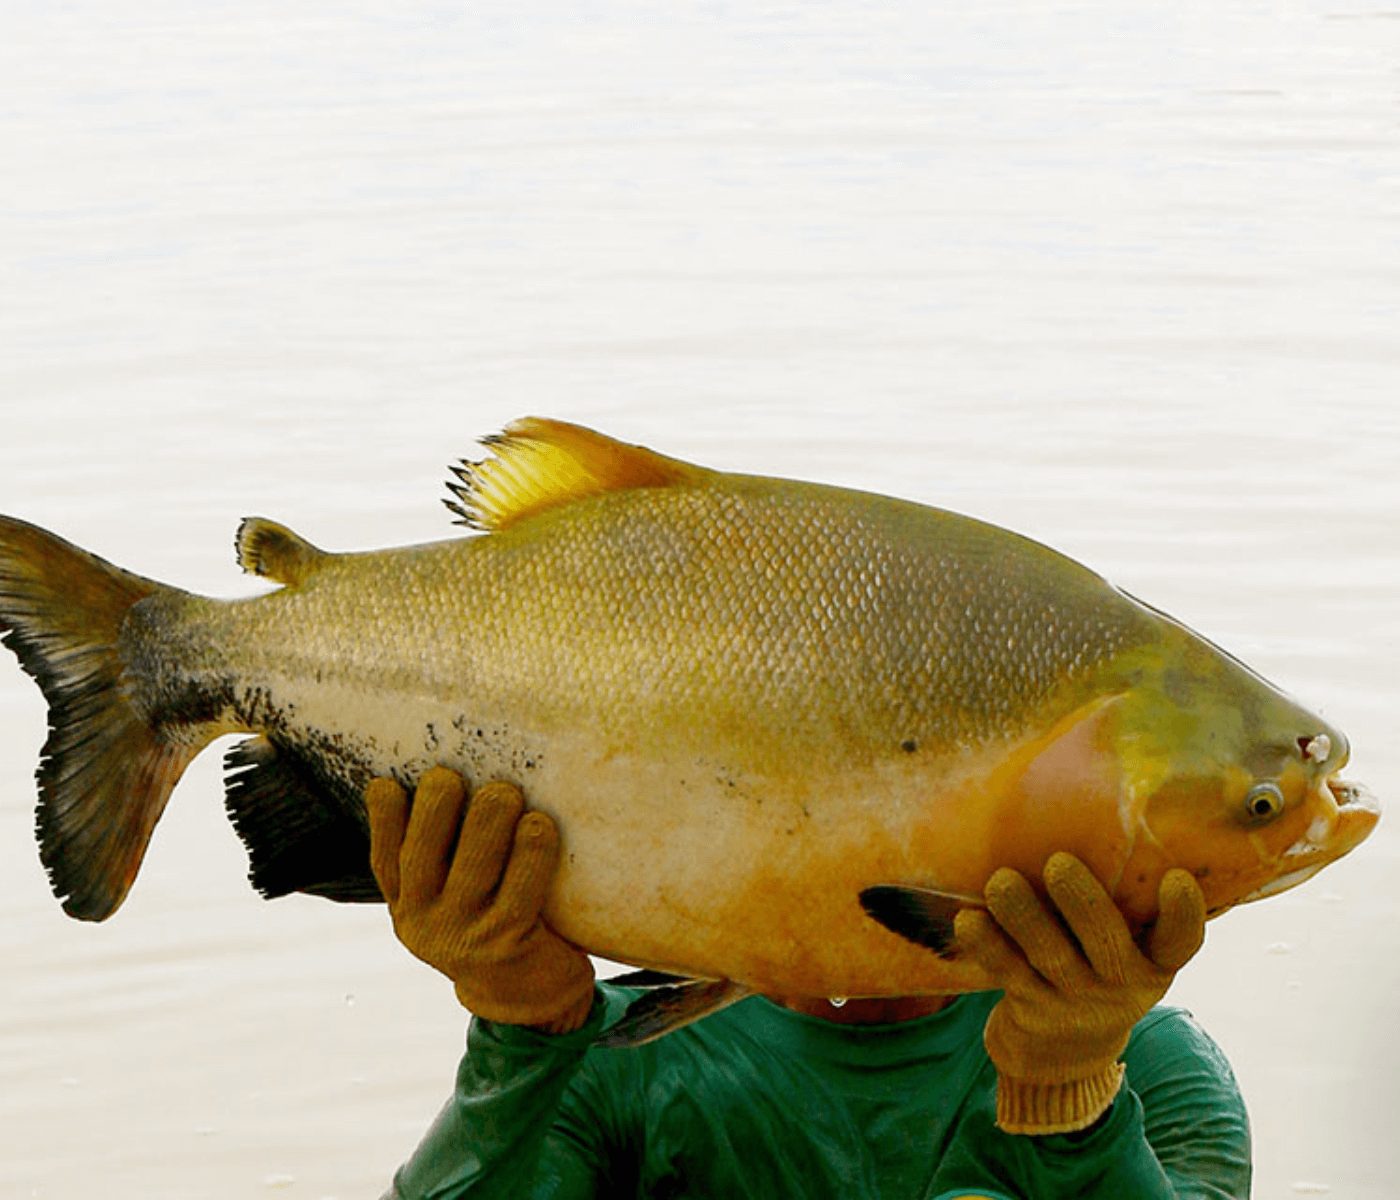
x: 468, y: 902
x: 1070, y: 1001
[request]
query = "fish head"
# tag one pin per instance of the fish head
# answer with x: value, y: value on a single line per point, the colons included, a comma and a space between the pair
x: 1233, y: 781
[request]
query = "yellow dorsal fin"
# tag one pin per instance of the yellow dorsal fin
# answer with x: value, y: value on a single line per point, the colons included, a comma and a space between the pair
x: 537, y: 464
x: 273, y: 551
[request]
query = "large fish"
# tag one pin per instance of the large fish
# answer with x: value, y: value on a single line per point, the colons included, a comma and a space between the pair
x: 785, y: 728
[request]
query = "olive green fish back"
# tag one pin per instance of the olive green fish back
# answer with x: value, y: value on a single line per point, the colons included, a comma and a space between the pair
x: 787, y: 614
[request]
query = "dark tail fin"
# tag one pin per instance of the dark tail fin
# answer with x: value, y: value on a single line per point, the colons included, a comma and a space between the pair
x: 105, y: 772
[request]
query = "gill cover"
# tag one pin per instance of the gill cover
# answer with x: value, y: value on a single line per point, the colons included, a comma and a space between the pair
x: 1229, y: 779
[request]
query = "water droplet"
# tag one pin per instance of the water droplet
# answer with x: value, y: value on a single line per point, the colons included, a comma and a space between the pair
x: 837, y: 1001
x: 1280, y: 948
x: 349, y: 999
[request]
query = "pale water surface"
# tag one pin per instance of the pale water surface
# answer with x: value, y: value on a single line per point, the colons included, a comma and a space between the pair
x: 1123, y: 276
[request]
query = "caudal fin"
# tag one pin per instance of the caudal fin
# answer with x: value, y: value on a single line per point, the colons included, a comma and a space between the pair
x: 105, y: 772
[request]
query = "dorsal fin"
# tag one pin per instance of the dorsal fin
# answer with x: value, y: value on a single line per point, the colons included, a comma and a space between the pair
x: 538, y: 463
x: 273, y: 551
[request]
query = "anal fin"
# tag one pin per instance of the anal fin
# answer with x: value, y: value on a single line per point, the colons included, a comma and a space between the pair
x: 663, y: 1010
x: 299, y: 836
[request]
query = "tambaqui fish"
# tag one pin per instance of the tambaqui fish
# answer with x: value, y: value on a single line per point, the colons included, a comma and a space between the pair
x: 785, y: 728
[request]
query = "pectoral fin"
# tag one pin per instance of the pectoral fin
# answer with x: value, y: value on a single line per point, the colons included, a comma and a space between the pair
x: 923, y: 916
x: 663, y: 1010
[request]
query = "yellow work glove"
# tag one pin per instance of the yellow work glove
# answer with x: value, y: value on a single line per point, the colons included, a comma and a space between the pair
x: 465, y: 893
x: 1074, y: 987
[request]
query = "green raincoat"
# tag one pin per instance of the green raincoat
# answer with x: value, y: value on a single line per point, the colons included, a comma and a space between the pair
x: 758, y: 1101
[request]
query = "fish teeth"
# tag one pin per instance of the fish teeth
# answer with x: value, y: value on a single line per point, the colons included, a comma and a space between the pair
x: 1318, y: 748
x: 1311, y: 842
x: 1350, y: 794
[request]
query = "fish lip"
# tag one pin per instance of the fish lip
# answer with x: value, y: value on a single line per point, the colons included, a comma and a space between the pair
x: 1355, y: 811
x: 1285, y: 883
x: 1352, y: 796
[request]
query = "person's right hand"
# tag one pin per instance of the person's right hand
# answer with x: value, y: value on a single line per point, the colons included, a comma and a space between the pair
x: 1074, y: 985
x: 465, y: 893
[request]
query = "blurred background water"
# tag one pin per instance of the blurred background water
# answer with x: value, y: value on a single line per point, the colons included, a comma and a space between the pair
x: 1121, y: 276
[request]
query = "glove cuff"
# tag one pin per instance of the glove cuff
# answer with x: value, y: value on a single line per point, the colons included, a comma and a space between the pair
x: 571, y: 1019
x: 555, y: 1001
x: 1040, y: 1108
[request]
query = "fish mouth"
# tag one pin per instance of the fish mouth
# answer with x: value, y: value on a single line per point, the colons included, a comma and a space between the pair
x: 1351, y: 795
x: 1346, y: 822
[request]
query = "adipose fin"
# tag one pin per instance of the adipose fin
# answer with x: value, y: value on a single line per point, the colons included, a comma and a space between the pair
x: 273, y: 551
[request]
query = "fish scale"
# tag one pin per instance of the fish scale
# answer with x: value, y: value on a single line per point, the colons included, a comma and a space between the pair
x: 810, y: 623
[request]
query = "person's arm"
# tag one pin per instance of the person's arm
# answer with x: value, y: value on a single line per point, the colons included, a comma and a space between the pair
x: 1194, y: 1117
x: 1176, y: 1131
x: 465, y: 882
x: 518, y: 1125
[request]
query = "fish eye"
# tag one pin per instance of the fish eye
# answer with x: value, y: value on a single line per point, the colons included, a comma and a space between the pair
x: 1263, y: 801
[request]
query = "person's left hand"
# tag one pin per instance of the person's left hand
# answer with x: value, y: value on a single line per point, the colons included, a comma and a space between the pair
x: 1072, y: 995
x: 466, y: 885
